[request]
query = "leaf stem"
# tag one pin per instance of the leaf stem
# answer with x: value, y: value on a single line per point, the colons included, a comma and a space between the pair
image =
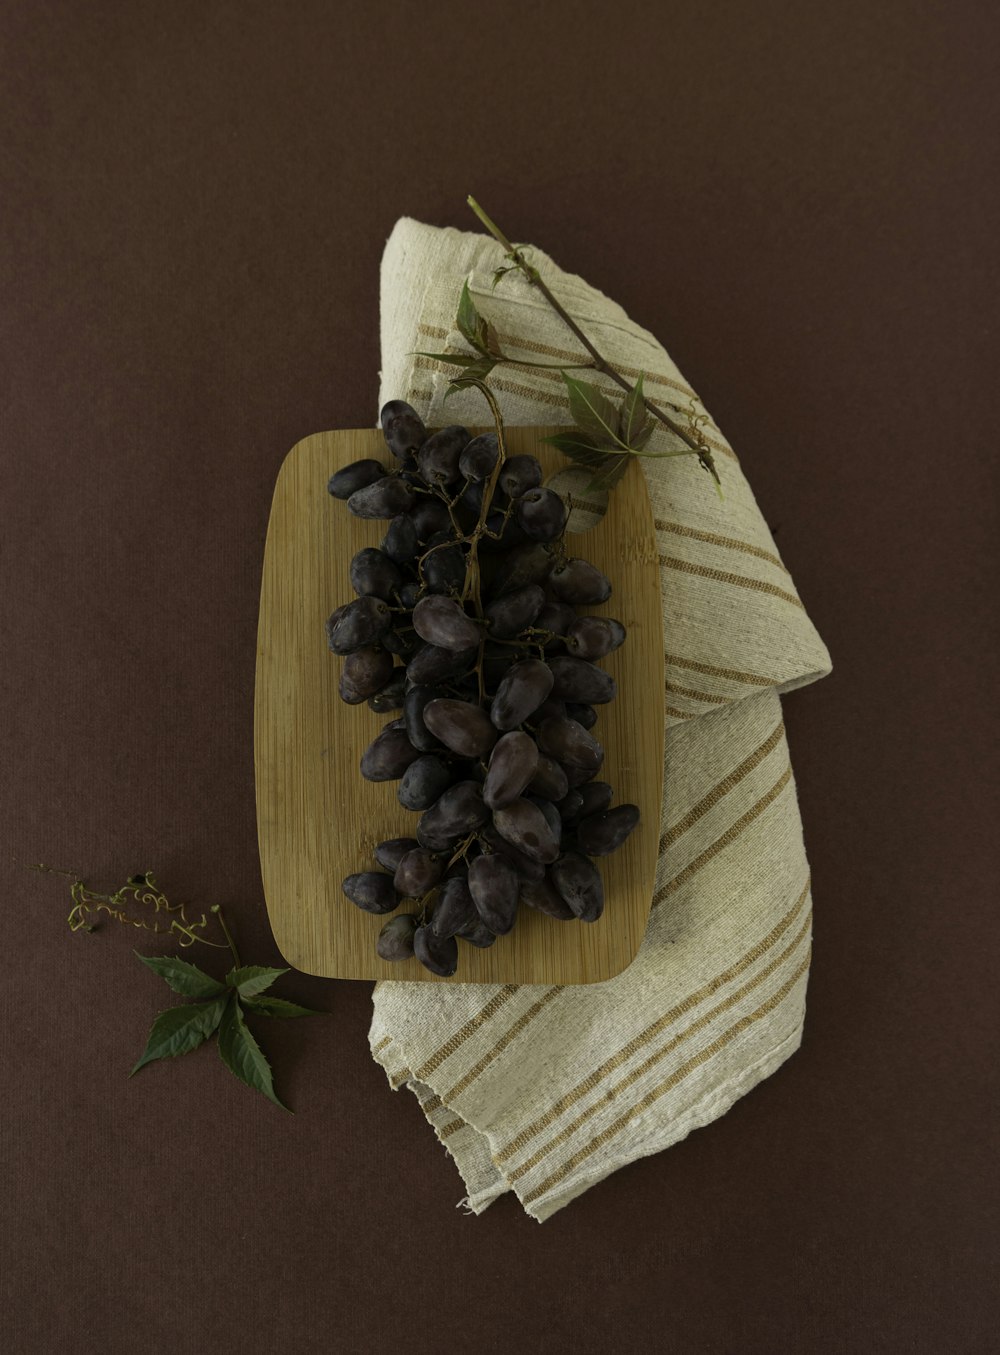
x: 551, y: 366
x: 217, y: 910
x: 701, y: 449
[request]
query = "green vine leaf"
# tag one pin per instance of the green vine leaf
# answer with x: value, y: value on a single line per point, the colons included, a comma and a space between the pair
x: 470, y: 324
x: 278, y: 1006
x: 638, y: 441
x: 609, y: 473
x: 593, y: 413
x: 578, y: 447
x: 184, y: 978
x: 475, y: 328
x: 253, y: 979
x: 608, y: 466
x: 456, y: 359
x: 473, y: 375
x: 635, y: 426
x: 181, y: 1029
x: 242, y: 1055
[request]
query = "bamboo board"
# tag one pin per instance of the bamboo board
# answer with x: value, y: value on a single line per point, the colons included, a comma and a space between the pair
x: 318, y: 820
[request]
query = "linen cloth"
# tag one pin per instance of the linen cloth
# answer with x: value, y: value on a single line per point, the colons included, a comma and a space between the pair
x: 547, y: 1090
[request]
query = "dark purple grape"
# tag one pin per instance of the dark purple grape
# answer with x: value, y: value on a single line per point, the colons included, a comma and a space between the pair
x: 390, y: 852
x: 479, y: 457
x: 470, y: 502
x: 578, y: 776
x: 442, y: 621
x: 549, y: 779
x: 389, y: 697
x: 582, y: 714
x: 365, y: 673
x: 513, y: 763
x: 382, y: 498
x: 400, y: 541
x: 570, y: 744
x: 527, y: 869
x: 436, y: 953
x: 551, y: 706
x: 497, y: 663
x: 402, y: 428
x: 579, y: 582
x: 374, y: 574
x: 556, y: 617
x: 477, y: 933
x: 443, y: 568
x: 418, y: 872
x: 395, y: 940
x: 335, y: 616
x: 540, y: 894
x: 520, y: 693
x: 348, y: 693
x: 552, y: 815
x: 453, y: 908
x: 507, y: 533
x: 409, y: 594
x: 579, y: 883
x: 507, y: 616
x: 387, y: 756
x: 569, y: 807
x: 541, y: 514
x: 596, y: 796
x: 358, y: 624
x: 355, y: 476
x: 599, y: 834
x: 578, y: 680
x: 430, y: 515
x: 528, y: 563
x: 461, y: 726
x: 402, y: 642
x: 459, y: 811
x: 519, y: 474
x: 413, y: 714
x: 432, y: 664
x: 493, y: 885
x: 526, y: 828
x: 591, y: 637
x: 424, y: 782
x: 438, y: 457
x: 372, y: 891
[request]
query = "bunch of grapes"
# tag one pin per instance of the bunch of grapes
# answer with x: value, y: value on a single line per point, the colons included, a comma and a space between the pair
x: 466, y: 622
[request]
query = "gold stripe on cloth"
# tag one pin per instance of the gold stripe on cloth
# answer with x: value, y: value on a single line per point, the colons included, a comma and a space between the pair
x: 617, y: 1060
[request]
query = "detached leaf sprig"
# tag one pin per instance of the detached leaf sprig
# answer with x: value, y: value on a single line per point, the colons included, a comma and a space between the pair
x: 605, y: 435
x: 222, y: 1005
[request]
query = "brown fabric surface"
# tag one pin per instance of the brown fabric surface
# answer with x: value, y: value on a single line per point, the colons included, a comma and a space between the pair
x: 195, y: 199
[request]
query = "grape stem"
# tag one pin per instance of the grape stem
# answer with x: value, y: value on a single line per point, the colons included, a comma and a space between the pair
x: 600, y: 363
x: 473, y: 580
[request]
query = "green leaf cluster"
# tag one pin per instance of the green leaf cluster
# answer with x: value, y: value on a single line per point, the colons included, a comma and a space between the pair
x: 605, y: 434
x: 221, y: 1009
x: 480, y: 335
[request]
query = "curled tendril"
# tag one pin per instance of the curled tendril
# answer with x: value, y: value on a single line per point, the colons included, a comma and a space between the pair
x: 140, y: 893
x: 695, y: 419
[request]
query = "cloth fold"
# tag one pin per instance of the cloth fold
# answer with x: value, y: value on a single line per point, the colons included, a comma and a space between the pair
x: 547, y: 1090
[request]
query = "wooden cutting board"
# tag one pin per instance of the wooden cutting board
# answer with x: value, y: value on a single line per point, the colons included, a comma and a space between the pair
x: 318, y: 820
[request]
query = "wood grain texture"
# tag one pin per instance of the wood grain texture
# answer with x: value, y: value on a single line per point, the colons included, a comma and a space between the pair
x: 318, y: 820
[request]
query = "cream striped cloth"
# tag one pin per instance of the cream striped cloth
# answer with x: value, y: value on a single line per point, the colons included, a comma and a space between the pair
x: 546, y: 1091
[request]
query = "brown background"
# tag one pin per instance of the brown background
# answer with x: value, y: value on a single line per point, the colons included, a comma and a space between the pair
x: 800, y: 201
